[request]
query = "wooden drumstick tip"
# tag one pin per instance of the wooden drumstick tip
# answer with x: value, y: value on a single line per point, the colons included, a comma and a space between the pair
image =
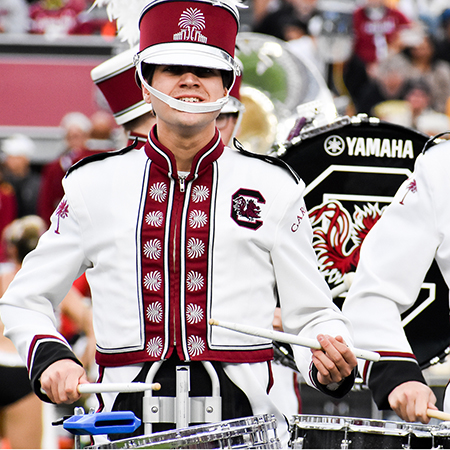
x: 156, y: 386
x: 436, y: 414
x: 213, y: 322
x: 348, y: 279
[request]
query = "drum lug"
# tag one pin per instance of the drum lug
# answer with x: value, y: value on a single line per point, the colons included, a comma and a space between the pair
x: 159, y: 409
x: 297, y: 442
x: 206, y: 409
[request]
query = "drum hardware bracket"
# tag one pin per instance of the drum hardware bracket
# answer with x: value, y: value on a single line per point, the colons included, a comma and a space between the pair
x: 308, y: 132
x: 345, y: 443
x: 78, y: 411
x: 182, y: 409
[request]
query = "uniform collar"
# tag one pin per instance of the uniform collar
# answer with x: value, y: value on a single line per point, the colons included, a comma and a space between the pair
x: 164, y: 158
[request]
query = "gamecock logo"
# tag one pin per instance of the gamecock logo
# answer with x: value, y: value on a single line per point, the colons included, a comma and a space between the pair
x: 245, y: 210
x: 338, y: 236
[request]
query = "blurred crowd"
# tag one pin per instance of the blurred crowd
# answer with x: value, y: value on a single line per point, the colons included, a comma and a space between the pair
x: 53, y: 18
x: 390, y: 58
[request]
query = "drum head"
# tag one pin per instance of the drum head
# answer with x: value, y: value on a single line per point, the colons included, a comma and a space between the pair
x: 352, y: 169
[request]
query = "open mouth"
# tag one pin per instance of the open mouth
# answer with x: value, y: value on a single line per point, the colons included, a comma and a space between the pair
x: 189, y: 99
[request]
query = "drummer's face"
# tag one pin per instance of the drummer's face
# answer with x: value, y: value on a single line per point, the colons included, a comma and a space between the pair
x: 187, y: 84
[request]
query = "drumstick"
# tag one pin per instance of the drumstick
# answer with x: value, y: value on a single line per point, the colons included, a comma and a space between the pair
x: 344, y: 286
x: 288, y: 338
x: 435, y: 414
x: 98, y: 388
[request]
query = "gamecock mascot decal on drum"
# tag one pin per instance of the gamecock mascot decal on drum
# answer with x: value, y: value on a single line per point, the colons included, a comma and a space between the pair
x: 338, y: 236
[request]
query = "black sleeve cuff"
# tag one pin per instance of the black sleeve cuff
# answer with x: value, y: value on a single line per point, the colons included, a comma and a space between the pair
x: 387, y: 375
x: 343, y: 389
x: 46, y: 354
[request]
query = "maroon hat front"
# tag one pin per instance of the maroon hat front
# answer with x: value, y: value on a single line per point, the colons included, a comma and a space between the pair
x: 191, y: 33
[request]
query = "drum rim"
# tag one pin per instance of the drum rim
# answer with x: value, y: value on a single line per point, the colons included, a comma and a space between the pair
x: 208, y: 432
x: 338, y: 423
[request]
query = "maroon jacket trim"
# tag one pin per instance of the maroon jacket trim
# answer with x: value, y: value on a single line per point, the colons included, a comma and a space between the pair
x: 231, y: 356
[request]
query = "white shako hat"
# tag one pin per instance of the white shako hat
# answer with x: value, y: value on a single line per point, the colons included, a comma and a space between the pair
x: 199, y: 33
x: 116, y: 80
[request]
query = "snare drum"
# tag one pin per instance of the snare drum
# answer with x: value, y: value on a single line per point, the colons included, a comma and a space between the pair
x: 248, y: 432
x: 336, y: 432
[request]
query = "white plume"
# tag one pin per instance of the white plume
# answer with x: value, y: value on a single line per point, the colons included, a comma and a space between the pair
x: 127, y: 14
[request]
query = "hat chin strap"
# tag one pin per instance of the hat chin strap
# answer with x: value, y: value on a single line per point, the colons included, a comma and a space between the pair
x: 189, y: 107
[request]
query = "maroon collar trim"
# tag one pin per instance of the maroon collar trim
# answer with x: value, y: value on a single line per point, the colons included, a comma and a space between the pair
x: 164, y: 158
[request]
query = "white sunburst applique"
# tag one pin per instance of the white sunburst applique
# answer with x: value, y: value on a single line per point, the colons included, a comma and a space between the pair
x: 154, y: 218
x: 195, y: 248
x: 152, y: 280
x: 194, y: 281
x: 154, y: 346
x: 152, y: 249
x: 158, y: 192
x: 194, y: 313
x: 197, y: 219
x: 200, y: 194
x: 192, y: 17
x: 154, y: 312
x: 196, y: 346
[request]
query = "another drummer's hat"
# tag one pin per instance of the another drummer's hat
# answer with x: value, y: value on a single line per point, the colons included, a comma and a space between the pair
x: 116, y: 80
x: 200, y: 33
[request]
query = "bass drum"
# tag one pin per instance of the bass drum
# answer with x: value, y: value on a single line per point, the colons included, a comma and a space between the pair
x: 352, y: 168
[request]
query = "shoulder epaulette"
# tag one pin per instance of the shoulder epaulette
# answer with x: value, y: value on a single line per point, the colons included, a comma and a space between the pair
x: 433, y: 141
x: 267, y: 158
x: 101, y: 156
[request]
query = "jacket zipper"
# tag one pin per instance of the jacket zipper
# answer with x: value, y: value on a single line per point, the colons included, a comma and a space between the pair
x: 182, y: 183
x: 182, y: 180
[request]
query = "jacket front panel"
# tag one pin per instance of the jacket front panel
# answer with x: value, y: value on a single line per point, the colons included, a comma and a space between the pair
x: 228, y: 241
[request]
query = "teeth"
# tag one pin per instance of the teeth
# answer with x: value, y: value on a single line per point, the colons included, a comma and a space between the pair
x: 189, y: 99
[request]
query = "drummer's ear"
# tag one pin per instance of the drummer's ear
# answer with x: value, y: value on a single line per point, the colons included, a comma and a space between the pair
x: 146, y: 95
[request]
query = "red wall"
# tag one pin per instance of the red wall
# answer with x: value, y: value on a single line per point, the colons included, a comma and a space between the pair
x: 39, y: 90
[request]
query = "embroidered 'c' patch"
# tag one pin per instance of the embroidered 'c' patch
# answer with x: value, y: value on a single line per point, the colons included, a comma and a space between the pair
x: 245, y: 210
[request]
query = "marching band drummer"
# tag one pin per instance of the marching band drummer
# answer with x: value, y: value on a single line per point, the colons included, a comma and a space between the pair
x: 395, y: 257
x: 180, y: 231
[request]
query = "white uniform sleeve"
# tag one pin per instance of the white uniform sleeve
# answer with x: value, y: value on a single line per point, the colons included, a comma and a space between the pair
x: 47, y: 273
x: 305, y: 299
x: 395, y: 258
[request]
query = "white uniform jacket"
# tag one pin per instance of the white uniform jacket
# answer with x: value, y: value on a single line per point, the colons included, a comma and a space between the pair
x: 164, y: 254
x: 395, y: 257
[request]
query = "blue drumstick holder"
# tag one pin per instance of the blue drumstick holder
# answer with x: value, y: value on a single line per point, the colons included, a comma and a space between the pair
x: 102, y: 423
